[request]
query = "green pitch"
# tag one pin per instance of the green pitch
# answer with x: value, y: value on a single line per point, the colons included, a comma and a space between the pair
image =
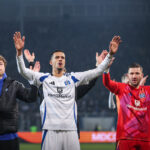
x: 26, y: 146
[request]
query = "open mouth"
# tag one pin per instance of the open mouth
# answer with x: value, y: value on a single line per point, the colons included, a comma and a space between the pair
x: 60, y: 64
x: 134, y: 81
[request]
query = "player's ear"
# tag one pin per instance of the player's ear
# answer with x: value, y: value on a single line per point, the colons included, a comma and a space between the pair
x: 50, y: 62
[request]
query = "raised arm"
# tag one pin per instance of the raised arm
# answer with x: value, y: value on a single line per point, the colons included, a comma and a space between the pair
x: 19, y: 43
x: 111, y: 85
x: 30, y: 58
x: 28, y: 74
x: 104, y: 60
x: 82, y: 90
x: 114, y: 44
x: 143, y: 80
x: 108, y: 83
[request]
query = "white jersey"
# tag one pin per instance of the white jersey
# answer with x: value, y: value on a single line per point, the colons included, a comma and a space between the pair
x: 58, y: 109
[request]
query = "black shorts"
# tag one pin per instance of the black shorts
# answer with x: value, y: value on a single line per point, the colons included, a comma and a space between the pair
x: 9, y: 144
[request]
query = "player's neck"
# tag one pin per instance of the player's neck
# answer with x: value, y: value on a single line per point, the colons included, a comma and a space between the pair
x: 57, y: 72
x: 135, y: 86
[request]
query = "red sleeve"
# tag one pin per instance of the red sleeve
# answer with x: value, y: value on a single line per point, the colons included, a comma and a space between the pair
x: 111, y: 85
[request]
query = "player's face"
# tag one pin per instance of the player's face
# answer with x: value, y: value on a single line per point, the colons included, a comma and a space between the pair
x: 135, y: 75
x: 2, y: 68
x: 58, y: 61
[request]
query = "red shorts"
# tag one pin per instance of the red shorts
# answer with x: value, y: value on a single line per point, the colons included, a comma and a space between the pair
x: 132, y: 145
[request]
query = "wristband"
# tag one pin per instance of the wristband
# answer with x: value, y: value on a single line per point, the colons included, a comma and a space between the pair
x: 31, y: 64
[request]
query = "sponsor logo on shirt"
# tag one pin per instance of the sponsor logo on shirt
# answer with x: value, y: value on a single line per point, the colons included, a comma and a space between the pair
x: 137, y: 103
x: 60, y: 94
x: 59, y: 90
x: 136, y: 108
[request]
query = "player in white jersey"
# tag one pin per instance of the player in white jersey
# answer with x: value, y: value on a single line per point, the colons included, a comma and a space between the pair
x: 58, y: 109
x: 80, y: 91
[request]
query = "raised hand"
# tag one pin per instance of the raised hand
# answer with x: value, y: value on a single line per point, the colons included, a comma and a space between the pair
x: 19, y: 42
x: 30, y: 57
x: 114, y: 44
x: 36, y: 67
x: 101, y: 57
x: 143, y: 80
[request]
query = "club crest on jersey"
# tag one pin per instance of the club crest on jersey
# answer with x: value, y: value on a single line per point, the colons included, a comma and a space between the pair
x: 67, y: 82
x: 142, y: 95
x: 59, y: 90
x: 137, y: 103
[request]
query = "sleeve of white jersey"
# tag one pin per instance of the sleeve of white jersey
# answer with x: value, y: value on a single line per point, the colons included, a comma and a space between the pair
x: 81, y: 78
x: 30, y: 75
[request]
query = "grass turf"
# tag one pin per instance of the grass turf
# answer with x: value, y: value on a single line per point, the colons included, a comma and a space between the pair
x: 103, y: 146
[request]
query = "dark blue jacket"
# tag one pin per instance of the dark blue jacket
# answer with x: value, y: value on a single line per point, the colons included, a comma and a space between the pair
x: 11, y: 91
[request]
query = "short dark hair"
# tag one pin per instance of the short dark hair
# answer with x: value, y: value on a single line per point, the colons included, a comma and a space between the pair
x: 4, y: 60
x: 135, y: 65
x: 55, y: 51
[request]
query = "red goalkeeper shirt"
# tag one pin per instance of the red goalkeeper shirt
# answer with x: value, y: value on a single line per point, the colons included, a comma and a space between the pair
x: 133, y: 107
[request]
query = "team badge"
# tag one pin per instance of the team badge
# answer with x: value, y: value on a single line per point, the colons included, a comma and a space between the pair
x: 142, y: 95
x: 137, y: 103
x: 67, y: 82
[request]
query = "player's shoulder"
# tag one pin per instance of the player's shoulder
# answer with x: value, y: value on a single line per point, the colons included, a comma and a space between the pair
x: 146, y: 87
x: 43, y: 76
x: 122, y: 85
